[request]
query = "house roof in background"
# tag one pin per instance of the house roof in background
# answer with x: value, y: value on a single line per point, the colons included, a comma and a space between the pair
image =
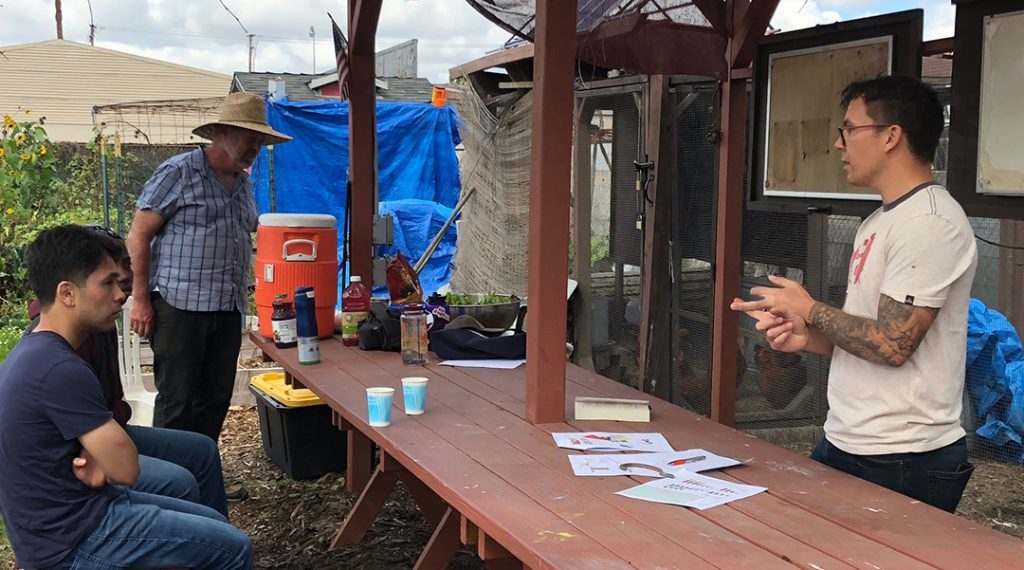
x: 63, y: 80
x: 298, y: 86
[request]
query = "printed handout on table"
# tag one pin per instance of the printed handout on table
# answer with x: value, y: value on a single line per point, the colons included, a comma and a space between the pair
x: 691, y: 490
x: 599, y: 440
x: 647, y: 464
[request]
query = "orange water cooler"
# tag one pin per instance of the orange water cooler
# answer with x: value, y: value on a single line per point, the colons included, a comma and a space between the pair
x: 296, y: 250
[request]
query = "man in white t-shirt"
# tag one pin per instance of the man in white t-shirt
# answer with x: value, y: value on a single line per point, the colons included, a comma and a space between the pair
x: 898, y: 345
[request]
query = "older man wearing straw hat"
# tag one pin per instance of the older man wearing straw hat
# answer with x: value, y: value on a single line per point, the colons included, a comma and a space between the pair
x: 190, y: 246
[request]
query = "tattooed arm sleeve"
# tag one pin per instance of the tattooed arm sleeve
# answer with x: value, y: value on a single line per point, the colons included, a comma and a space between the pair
x: 891, y: 340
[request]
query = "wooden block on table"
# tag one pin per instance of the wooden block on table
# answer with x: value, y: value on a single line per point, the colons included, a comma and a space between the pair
x: 617, y: 409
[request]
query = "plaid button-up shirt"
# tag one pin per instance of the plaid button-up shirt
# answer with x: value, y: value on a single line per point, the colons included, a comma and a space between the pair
x: 201, y: 255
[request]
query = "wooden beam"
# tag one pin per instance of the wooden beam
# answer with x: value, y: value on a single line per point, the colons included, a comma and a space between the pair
x: 729, y: 205
x: 499, y: 59
x: 365, y: 509
x: 488, y: 549
x: 442, y: 544
x: 714, y: 12
x: 938, y: 47
x: 550, y: 157
x: 655, y: 321
x: 362, y: 121
x: 360, y: 461
x: 751, y: 29
x: 364, y: 16
x: 430, y: 503
x: 515, y: 85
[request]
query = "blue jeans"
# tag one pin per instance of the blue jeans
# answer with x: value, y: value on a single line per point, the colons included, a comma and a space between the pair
x: 179, y: 464
x: 936, y: 477
x: 150, y: 531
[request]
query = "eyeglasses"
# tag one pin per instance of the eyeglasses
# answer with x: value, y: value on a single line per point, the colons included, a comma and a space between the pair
x: 844, y: 130
x: 105, y: 231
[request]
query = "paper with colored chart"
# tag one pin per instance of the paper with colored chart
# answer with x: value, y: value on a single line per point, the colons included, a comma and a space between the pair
x: 691, y: 490
x: 599, y: 440
x: 647, y: 464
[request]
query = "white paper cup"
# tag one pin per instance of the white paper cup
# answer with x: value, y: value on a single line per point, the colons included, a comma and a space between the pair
x: 378, y: 402
x: 414, y: 390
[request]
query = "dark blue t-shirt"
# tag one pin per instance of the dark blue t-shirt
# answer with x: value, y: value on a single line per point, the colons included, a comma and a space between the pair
x: 49, y: 397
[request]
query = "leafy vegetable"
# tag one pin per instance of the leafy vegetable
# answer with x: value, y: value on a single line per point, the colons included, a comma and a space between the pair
x: 491, y: 298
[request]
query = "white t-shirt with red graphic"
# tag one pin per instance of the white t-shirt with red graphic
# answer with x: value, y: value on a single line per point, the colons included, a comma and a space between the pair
x: 918, y: 250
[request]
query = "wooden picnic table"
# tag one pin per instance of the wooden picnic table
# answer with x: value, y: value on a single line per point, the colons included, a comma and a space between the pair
x: 484, y: 476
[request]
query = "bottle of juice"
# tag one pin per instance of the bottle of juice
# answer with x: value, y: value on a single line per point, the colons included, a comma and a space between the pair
x: 355, y: 307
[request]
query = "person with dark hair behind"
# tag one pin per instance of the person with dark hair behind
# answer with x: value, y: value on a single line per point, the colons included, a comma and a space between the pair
x: 64, y: 461
x: 898, y: 346
x: 172, y: 463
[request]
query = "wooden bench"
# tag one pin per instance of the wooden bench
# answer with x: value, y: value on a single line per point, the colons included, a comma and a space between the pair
x: 484, y: 476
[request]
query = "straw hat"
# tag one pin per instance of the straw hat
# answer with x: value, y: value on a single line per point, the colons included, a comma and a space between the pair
x: 246, y: 111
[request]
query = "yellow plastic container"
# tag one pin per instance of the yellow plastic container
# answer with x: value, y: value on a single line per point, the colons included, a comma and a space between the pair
x: 272, y: 384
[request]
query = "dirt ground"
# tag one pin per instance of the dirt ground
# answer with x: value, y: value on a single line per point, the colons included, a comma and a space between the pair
x: 292, y: 522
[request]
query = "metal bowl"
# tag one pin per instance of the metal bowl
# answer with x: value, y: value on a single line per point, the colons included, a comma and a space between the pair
x: 495, y: 316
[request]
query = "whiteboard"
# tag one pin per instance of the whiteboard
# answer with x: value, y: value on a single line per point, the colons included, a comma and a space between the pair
x: 1001, y: 122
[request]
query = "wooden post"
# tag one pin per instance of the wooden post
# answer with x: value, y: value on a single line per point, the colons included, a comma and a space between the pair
x: 745, y: 24
x: 655, y: 320
x: 728, y: 233
x: 550, y: 157
x: 363, y: 16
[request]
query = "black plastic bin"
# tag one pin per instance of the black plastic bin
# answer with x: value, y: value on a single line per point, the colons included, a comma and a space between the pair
x: 300, y: 440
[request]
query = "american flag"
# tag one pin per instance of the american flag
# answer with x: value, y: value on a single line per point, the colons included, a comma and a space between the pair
x: 341, y: 49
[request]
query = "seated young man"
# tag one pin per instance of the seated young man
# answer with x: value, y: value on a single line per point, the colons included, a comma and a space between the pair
x: 64, y: 461
x: 172, y: 463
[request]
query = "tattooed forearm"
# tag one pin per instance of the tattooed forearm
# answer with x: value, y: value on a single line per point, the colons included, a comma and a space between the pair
x: 890, y: 340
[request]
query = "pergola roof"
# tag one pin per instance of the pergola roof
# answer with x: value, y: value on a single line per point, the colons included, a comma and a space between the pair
x: 632, y: 34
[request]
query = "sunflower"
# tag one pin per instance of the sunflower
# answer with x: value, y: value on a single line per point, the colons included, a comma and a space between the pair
x: 42, y: 149
x: 26, y: 156
x: 10, y: 211
x: 19, y: 138
x: 8, y: 122
x: 28, y: 111
x: 2, y: 152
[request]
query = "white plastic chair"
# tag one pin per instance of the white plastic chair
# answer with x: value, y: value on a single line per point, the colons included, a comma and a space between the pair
x: 129, y: 358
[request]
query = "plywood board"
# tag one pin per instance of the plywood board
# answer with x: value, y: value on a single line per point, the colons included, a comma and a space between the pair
x: 1000, y: 162
x: 804, y: 113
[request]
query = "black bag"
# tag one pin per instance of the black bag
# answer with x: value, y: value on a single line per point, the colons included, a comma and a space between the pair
x: 382, y: 329
x: 468, y: 344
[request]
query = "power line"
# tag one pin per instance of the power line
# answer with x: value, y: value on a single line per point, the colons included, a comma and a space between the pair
x: 252, y: 48
x: 234, y: 16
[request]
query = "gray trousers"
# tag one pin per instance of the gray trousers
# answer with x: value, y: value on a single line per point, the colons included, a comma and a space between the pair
x: 195, y: 355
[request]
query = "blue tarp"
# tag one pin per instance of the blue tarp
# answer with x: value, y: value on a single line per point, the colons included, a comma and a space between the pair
x: 419, y: 172
x: 995, y: 379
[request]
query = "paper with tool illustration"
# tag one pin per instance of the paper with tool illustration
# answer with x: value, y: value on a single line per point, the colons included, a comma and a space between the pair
x: 599, y: 440
x: 691, y: 490
x: 648, y: 464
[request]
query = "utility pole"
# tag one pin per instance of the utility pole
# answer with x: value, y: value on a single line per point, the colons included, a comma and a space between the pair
x: 60, y: 20
x: 92, y: 26
x: 312, y: 34
x: 251, y: 58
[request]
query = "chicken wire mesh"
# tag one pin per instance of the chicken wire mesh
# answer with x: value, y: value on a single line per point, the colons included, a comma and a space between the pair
x: 609, y: 128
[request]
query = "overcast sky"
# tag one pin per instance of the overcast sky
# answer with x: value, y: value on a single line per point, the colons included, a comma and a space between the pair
x: 201, y: 33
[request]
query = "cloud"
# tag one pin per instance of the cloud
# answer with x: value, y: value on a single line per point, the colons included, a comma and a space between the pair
x: 798, y: 14
x: 201, y: 33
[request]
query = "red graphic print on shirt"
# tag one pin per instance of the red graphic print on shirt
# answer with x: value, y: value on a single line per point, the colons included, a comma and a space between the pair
x: 859, y: 258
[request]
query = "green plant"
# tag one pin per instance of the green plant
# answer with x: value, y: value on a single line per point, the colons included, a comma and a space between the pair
x: 491, y: 298
x: 9, y: 336
x: 598, y: 249
x: 27, y: 163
